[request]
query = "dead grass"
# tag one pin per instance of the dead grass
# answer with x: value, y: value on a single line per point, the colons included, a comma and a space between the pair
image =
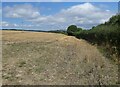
x: 38, y: 58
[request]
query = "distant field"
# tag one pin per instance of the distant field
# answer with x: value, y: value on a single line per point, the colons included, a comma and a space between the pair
x: 38, y: 58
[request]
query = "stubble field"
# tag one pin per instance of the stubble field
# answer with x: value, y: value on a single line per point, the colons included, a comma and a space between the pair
x: 39, y: 58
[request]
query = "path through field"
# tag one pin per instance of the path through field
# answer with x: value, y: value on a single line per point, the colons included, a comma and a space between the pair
x: 39, y: 58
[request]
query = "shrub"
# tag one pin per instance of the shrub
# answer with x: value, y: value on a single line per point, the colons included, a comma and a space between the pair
x: 102, y: 35
x: 71, y: 30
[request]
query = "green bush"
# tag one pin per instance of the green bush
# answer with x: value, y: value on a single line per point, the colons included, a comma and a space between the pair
x: 106, y: 35
x: 73, y: 30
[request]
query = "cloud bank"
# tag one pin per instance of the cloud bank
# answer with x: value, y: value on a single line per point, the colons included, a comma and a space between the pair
x: 83, y: 15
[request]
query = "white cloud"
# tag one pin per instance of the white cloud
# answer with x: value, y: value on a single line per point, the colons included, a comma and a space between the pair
x: 87, y: 13
x: 82, y: 9
x: 5, y: 24
x: 83, y: 15
x: 21, y: 11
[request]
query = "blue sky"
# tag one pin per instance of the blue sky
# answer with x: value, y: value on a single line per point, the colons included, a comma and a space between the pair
x: 56, y: 15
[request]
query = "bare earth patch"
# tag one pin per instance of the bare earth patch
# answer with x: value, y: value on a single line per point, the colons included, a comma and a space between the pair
x: 38, y: 58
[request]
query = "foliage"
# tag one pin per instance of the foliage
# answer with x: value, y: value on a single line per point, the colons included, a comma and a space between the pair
x: 106, y: 35
x: 72, y: 30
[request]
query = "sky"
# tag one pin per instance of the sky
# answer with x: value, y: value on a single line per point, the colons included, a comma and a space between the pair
x: 55, y: 15
x: 59, y: 0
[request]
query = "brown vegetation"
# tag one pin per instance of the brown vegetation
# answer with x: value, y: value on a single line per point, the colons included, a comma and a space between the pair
x: 38, y: 58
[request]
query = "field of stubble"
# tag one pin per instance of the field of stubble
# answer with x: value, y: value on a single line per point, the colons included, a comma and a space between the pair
x: 38, y: 58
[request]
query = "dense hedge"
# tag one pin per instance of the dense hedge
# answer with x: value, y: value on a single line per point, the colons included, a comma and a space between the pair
x: 107, y: 35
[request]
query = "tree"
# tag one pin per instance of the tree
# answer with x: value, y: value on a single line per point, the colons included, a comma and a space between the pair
x: 72, y: 29
x: 79, y: 29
